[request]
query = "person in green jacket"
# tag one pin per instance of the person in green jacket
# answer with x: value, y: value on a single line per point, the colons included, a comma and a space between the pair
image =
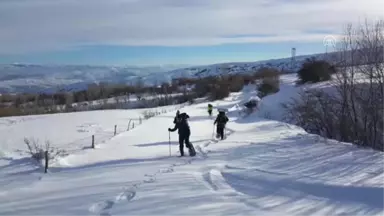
x: 210, y: 107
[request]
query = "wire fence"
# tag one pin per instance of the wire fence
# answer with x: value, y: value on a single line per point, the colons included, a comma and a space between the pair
x: 48, y: 153
x: 103, y: 136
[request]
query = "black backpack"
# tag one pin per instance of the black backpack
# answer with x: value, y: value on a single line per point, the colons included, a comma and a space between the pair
x: 182, y: 122
x: 222, y: 119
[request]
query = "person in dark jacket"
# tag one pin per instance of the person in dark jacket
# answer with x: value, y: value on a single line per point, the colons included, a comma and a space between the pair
x: 181, y: 124
x: 221, y: 121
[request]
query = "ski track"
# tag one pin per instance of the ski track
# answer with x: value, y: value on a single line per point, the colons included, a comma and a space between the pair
x: 213, y: 179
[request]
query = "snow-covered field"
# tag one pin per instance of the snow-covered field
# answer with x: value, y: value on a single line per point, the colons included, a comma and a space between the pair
x: 68, y: 131
x: 262, y: 167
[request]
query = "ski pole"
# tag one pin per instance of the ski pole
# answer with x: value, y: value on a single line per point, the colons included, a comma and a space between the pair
x: 169, y: 138
x: 213, y: 131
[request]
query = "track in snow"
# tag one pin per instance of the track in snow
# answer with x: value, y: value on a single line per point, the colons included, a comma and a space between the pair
x: 212, y: 178
x: 102, y: 208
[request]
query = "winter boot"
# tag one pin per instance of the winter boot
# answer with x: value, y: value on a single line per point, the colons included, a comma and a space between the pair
x: 192, y: 151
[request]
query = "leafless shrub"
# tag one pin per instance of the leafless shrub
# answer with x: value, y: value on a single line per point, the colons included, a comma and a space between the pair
x: 267, y: 72
x: 313, y: 110
x: 147, y: 114
x: 315, y: 71
x: 268, y: 85
x: 267, y: 115
x: 219, y: 91
x: 352, y: 109
x: 37, y: 151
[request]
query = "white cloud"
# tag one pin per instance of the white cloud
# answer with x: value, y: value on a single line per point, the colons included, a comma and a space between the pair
x: 43, y: 25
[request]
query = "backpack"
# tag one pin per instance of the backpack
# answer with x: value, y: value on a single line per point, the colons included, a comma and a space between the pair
x: 222, y: 119
x: 182, y: 123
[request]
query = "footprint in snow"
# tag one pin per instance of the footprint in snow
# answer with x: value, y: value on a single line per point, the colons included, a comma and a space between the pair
x: 101, y: 206
x: 150, y: 180
x: 137, y: 185
x: 177, y: 164
x: 127, y: 195
x: 168, y: 170
x: 204, y: 154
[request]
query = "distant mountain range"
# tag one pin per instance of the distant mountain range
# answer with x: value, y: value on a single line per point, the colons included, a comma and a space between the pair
x: 26, y: 78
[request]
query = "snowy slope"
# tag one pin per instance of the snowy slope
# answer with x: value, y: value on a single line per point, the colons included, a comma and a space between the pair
x: 271, y: 105
x: 263, y: 167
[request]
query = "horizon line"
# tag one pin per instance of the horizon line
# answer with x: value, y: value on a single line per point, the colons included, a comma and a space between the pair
x: 158, y: 65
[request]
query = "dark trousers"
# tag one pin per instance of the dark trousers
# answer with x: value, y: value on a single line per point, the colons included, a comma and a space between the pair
x: 220, y: 131
x: 210, y: 112
x: 183, y: 139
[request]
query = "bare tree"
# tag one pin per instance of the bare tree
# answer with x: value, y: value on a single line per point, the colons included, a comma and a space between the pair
x: 354, y: 112
x: 117, y: 100
x: 360, y: 84
x: 68, y: 101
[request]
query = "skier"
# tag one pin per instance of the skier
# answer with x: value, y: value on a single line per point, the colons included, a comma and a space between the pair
x: 210, y: 109
x: 181, y: 124
x: 221, y: 121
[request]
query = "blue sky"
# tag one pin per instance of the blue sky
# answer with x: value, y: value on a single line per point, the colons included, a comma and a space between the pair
x: 161, y: 32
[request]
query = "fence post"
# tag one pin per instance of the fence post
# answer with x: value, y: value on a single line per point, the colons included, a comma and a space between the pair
x: 129, y: 124
x: 46, y: 161
x: 115, y: 129
x: 93, y: 141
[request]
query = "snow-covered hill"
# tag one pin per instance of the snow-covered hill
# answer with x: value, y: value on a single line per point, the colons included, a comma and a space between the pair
x: 284, y: 64
x: 263, y: 167
x: 39, y: 78
x: 53, y: 78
